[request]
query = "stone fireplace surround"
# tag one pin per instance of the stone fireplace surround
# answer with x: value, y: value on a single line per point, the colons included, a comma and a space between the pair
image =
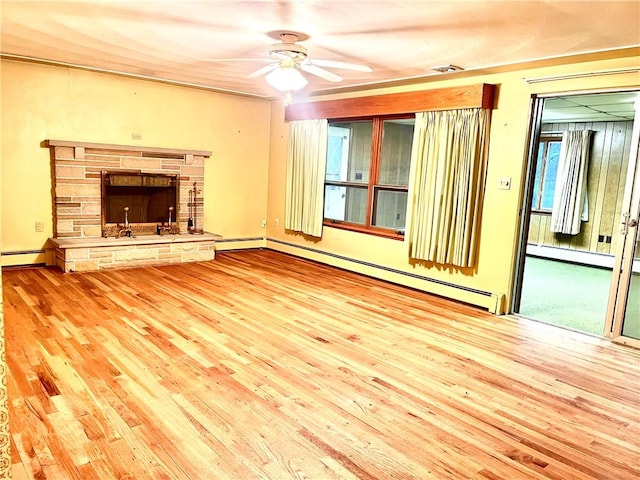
x: 78, y: 243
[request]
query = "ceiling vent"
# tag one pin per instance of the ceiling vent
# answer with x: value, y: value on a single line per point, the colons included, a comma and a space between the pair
x: 447, y: 68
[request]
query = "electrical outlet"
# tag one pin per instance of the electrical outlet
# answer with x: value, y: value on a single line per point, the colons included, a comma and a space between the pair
x: 504, y: 183
x: 136, y: 136
x: 39, y: 227
x: 263, y: 223
x: 277, y: 222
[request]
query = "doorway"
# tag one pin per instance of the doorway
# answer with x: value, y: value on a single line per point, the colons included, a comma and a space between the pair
x: 578, y: 264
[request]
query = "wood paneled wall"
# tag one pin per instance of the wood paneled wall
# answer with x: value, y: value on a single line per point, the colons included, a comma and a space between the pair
x: 611, y: 144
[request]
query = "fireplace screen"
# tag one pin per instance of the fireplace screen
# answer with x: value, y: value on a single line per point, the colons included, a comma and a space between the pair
x: 141, y: 200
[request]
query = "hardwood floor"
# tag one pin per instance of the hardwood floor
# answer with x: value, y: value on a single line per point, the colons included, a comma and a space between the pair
x: 259, y: 365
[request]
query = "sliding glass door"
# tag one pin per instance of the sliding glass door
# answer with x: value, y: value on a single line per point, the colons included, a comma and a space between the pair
x: 631, y: 317
x: 624, y: 299
x: 582, y: 273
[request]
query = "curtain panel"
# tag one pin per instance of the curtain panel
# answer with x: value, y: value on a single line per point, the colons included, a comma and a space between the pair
x: 446, y: 184
x: 570, y: 193
x: 306, y: 163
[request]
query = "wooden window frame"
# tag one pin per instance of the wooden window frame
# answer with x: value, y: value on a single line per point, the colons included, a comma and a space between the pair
x: 373, y: 185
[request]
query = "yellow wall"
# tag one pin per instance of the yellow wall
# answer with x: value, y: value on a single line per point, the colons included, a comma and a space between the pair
x: 500, y: 219
x: 42, y: 102
x: 246, y: 174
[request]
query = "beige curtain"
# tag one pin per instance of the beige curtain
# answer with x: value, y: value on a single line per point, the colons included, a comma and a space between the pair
x: 306, y: 162
x: 446, y: 183
x: 570, y: 193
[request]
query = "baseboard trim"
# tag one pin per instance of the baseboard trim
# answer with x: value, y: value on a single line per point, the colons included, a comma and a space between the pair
x: 579, y: 257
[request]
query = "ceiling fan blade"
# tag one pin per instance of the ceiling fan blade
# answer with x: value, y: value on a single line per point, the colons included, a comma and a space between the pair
x: 342, y: 65
x: 320, y: 72
x: 263, y: 70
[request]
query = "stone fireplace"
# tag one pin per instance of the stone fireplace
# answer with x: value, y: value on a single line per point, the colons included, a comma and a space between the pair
x: 93, y: 184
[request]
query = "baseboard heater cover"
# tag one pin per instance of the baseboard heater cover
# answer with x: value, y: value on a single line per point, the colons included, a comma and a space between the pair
x: 243, y: 239
x: 22, y: 252
x: 494, y: 302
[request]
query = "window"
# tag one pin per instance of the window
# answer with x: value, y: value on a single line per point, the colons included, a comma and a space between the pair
x: 546, y: 169
x: 367, y: 174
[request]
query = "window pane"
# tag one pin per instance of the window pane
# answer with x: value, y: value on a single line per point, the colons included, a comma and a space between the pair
x: 535, y: 200
x: 349, y: 151
x: 391, y: 209
x: 348, y: 204
x: 395, y: 155
x: 551, y: 169
x: 336, y: 144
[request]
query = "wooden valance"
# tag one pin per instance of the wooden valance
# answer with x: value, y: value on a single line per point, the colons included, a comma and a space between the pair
x: 473, y: 96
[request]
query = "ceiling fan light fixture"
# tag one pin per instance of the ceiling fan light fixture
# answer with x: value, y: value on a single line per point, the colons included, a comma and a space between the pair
x: 286, y: 78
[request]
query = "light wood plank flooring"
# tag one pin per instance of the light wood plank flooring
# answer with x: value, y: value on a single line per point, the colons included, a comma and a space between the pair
x: 259, y: 365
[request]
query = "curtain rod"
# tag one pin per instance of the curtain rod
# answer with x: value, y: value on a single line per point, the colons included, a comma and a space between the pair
x: 569, y: 76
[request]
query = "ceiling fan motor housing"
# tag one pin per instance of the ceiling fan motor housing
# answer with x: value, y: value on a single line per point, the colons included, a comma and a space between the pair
x: 292, y: 50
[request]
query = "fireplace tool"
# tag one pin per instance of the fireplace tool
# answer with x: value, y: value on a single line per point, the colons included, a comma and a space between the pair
x: 126, y: 231
x: 172, y: 222
x: 194, y: 201
x: 172, y: 226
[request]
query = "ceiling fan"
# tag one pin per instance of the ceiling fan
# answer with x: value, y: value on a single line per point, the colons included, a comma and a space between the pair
x: 288, y: 53
x: 288, y: 58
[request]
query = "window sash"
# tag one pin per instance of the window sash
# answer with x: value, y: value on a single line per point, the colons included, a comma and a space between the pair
x: 373, y: 186
x: 385, y: 219
x: 543, y: 183
x: 339, y: 199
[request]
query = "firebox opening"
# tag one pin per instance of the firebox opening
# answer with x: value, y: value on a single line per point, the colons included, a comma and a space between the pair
x: 151, y: 198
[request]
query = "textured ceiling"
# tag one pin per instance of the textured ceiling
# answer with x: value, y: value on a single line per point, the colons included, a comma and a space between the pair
x: 174, y: 40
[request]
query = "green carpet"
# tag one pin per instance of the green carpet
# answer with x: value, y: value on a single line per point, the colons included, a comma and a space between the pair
x: 574, y: 296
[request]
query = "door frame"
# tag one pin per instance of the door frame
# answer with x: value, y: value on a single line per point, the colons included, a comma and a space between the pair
x: 615, y: 311
x: 535, y: 127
